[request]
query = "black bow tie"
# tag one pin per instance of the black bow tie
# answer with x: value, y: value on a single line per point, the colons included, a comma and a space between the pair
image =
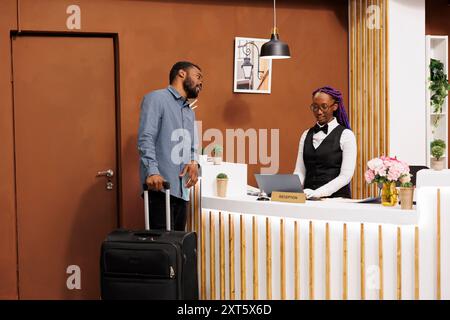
x: 317, y: 128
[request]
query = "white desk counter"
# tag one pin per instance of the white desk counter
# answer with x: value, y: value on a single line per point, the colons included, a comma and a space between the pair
x: 251, y: 249
x: 326, y: 210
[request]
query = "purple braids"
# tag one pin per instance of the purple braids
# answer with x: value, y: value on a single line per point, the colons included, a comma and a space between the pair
x: 340, y: 113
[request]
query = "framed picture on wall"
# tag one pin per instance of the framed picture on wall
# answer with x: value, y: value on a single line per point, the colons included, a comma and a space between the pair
x: 251, y: 73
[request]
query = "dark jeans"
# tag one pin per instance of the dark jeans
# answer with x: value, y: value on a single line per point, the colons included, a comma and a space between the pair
x: 178, y: 211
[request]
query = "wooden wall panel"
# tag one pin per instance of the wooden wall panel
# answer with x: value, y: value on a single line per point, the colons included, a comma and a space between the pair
x: 369, y: 94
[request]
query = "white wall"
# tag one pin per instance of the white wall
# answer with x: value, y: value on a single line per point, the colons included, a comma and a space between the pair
x: 407, y: 80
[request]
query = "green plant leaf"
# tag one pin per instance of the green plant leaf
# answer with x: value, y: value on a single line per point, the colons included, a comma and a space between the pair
x: 439, y: 86
x: 438, y: 142
x: 437, y: 152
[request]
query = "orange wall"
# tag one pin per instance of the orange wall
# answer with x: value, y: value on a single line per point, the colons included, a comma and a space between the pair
x: 8, y: 254
x: 438, y: 23
x: 155, y: 34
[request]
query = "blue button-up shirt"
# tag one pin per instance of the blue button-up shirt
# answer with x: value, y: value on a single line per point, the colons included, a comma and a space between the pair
x: 167, y: 140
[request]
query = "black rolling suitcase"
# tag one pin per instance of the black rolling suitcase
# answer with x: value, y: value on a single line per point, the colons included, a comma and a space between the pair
x: 149, y: 264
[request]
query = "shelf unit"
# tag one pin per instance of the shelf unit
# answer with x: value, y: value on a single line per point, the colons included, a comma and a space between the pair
x: 436, y: 48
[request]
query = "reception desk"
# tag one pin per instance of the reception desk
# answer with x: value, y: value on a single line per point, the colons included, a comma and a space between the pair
x: 325, y: 210
x: 328, y: 249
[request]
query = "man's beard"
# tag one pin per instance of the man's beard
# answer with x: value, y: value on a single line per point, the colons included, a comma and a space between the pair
x: 190, y: 89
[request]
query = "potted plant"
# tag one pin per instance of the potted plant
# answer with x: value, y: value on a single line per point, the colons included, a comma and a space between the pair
x: 217, y: 154
x: 406, y: 191
x: 222, y: 182
x: 439, y: 87
x: 437, y: 151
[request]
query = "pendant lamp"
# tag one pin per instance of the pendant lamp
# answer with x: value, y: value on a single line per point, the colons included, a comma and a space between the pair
x: 275, y: 48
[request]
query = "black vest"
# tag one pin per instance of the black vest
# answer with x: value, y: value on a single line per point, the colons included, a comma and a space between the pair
x: 324, y: 163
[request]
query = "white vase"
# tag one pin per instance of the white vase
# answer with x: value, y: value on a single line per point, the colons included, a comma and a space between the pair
x: 217, y: 160
x: 222, y: 187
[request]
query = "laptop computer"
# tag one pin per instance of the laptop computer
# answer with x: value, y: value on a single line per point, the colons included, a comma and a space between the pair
x: 278, y: 182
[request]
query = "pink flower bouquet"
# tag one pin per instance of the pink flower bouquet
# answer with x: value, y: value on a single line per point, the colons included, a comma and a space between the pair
x: 386, y: 169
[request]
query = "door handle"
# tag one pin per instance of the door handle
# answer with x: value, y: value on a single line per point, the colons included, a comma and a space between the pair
x: 107, y: 173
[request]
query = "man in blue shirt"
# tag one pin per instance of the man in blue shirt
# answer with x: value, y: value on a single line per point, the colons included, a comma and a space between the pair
x: 167, y: 144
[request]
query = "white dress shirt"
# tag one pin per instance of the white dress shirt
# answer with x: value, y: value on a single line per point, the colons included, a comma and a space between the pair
x: 348, y: 147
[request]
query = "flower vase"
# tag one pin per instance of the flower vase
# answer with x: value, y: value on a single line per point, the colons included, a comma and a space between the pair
x: 389, y: 194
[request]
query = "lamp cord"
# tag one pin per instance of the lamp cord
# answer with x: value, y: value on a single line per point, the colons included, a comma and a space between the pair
x: 274, y: 16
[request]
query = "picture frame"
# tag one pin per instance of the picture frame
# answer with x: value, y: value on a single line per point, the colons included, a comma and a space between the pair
x: 251, y: 73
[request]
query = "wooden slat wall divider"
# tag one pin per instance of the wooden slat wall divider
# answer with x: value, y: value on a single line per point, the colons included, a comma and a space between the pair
x: 311, y: 261
x: 203, y: 258
x: 399, y: 263
x: 231, y: 256
x: 195, y: 206
x: 363, y: 263
x: 345, y: 264
x: 284, y: 241
x: 380, y: 261
x: 397, y: 259
x: 222, y: 255
x: 268, y: 259
x: 296, y: 262
x: 243, y: 259
x: 282, y: 261
x: 327, y: 262
x: 438, y: 246
x: 364, y: 147
x: 212, y: 256
x: 255, y: 259
x: 369, y: 94
x: 416, y: 264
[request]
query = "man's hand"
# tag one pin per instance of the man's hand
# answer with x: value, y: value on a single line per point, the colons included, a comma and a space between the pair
x: 192, y: 171
x: 155, y: 182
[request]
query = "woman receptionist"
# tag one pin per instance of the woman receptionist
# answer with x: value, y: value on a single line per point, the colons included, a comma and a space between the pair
x: 327, y: 152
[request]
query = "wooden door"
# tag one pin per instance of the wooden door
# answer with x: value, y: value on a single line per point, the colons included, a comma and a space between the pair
x: 65, y: 133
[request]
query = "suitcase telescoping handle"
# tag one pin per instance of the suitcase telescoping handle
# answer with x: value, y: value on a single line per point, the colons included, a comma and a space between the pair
x: 166, y: 186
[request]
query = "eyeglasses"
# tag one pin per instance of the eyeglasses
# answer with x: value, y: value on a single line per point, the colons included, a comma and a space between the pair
x: 324, y: 107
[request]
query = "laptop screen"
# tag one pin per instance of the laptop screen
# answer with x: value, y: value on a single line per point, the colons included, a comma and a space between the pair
x: 278, y: 182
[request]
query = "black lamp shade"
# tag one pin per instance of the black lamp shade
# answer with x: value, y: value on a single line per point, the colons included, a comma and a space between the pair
x: 275, y: 49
